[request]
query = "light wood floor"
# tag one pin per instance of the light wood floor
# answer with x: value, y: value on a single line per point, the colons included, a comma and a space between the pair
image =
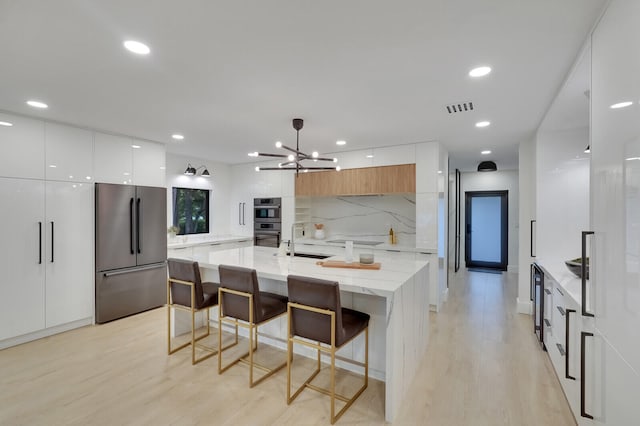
x: 483, y: 367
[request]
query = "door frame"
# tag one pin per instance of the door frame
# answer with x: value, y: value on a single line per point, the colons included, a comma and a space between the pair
x: 504, y: 230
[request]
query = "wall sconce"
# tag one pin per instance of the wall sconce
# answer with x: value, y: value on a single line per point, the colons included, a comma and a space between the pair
x: 191, y: 171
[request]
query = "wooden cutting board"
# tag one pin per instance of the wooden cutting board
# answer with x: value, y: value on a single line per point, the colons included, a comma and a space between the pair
x: 342, y: 264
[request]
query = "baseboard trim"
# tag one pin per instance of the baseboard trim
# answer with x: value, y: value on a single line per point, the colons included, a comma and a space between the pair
x: 18, y: 340
x: 524, y: 306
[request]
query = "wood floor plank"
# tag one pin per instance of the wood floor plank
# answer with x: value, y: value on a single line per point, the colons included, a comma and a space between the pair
x: 483, y: 367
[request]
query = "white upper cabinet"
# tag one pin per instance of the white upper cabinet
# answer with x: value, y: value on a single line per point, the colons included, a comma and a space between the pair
x: 68, y: 153
x: 391, y: 155
x: 22, y: 146
x: 113, y: 159
x: 149, y: 163
x: 615, y: 179
x: 427, y: 156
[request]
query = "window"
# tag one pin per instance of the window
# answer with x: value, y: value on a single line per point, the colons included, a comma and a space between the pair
x: 191, y: 210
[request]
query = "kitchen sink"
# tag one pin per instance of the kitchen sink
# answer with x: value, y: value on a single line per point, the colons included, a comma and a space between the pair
x: 310, y: 255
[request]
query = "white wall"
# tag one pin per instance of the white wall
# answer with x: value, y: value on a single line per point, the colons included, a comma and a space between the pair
x: 527, y: 212
x: 218, y: 183
x: 506, y: 180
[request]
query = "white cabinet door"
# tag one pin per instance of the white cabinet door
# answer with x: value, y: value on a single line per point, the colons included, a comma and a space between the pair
x: 427, y: 221
x: 113, y: 159
x: 148, y: 163
x: 22, y: 147
x: 22, y: 257
x: 69, y: 252
x: 68, y: 153
x: 244, y: 184
x: 391, y: 155
x: 615, y: 179
x: 612, y: 386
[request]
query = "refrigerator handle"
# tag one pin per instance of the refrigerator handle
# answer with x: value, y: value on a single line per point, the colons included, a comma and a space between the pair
x: 244, y: 205
x: 138, y: 205
x: 39, y: 243
x: 131, y: 226
x: 239, y: 213
x: 583, y: 263
x: 52, y: 240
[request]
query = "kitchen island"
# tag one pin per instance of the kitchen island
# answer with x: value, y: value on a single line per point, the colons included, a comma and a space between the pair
x: 396, y: 297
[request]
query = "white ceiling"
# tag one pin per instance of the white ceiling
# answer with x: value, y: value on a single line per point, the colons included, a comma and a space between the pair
x: 230, y: 75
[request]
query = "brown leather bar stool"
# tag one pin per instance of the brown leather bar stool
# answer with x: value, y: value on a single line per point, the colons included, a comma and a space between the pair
x: 243, y: 304
x: 315, y: 313
x: 186, y: 291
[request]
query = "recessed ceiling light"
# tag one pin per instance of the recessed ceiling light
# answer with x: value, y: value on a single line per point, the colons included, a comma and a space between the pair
x: 135, y: 146
x: 632, y: 158
x: 37, y: 104
x: 53, y: 166
x: 621, y: 105
x: 6, y: 124
x: 480, y: 71
x: 177, y: 136
x: 88, y: 177
x: 369, y: 155
x: 483, y: 123
x: 137, y: 47
x: 485, y: 152
x: 341, y: 143
x: 439, y: 172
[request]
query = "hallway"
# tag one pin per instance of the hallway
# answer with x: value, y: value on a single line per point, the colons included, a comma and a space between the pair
x: 483, y: 367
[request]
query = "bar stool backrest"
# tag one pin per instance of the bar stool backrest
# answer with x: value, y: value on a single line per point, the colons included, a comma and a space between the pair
x: 185, y: 270
x: 244, y: 280
x: 322, y: 294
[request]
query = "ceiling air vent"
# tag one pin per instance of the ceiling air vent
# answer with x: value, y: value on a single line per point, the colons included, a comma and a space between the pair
x: 460, y: 107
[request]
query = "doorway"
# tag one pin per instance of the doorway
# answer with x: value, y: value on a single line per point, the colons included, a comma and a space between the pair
x: 486, y: 229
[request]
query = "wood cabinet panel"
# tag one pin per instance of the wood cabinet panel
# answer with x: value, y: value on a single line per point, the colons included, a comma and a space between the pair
x: 362, y: 181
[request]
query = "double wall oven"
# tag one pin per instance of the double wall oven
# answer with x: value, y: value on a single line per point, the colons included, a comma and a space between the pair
x: 266, y: 222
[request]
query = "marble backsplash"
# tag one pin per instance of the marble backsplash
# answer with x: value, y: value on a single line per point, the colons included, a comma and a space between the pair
x: 366, y: 217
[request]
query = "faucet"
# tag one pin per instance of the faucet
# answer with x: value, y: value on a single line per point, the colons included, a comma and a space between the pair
x: 292, y: 241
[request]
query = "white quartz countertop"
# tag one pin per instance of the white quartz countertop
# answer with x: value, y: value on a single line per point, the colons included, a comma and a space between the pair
x: 268, y: 264
x: 201, y: 241
x: 566, y: 279
x: 382, y: 246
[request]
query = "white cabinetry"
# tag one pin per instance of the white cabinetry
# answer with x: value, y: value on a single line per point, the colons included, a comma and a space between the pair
x: 68, y: 153
x: 114, y: 159
x: 613, y: 375
x: 22, y: 147
x: 243, y: 190
x: 22, y: 257
x: 69, y: 252
x: 129, y: 161
x: 148, y: 163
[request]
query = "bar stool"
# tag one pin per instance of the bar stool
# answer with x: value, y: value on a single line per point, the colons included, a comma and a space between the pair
x: 186, y: 291
x: 314, y: 313
x: 243, y: 304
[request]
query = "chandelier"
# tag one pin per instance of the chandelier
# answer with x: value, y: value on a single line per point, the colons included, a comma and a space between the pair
x: 295, y: 159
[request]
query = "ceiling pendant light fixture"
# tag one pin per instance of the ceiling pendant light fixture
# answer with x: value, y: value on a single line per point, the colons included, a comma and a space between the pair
x: 294, y: 160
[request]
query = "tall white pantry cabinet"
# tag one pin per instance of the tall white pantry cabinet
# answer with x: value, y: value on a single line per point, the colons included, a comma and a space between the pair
x: 47, y: 177
x: 612, y: 347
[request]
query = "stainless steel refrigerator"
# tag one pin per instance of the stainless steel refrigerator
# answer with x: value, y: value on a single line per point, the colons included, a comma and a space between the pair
x: 131, y: 249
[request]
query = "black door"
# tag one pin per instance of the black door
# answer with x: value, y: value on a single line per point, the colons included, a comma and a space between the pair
x: 486, y: 229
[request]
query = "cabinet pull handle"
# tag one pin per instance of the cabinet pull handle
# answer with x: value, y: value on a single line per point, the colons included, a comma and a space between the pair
x: 52, y: 240
x: 584, y: 274
x: 547, y: 323
x: 583, y: 386
x: 39, y: 243
x: 138, y: 207
x: 531, y: 239
x: 561, y: 310
x: 244, y: 205
x: 546, y: 290
x: 239, y: 213
x: 566, y: 345
x: 131, y: 226
x: 559, y: 291
x: 560, y: 349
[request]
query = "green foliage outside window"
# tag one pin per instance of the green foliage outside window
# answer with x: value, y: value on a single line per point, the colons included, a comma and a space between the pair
x: 191, y: 210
